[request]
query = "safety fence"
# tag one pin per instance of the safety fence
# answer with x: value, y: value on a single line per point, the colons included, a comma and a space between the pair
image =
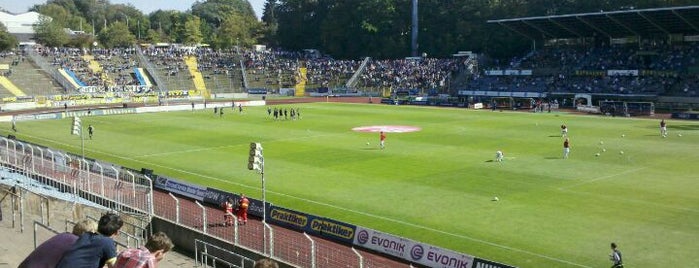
x: 209, y: 255
x: 99, y: 182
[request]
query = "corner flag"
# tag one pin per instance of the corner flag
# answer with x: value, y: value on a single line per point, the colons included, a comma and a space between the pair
x: 76, y: 126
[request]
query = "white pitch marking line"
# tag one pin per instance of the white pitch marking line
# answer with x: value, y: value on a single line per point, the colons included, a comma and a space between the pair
x: 602, y: 178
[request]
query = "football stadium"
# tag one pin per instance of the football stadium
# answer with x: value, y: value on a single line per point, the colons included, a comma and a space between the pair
x: 240, y: 150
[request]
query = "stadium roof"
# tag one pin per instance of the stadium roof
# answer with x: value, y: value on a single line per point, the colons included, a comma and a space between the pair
x: 613, y: 24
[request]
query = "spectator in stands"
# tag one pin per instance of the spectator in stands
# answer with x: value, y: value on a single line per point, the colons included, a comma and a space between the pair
x: 95, y: 249
x: 147, y: 256
x: 49, y: 253
x: 266, y: 263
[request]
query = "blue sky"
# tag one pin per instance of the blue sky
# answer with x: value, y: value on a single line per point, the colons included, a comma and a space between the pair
x: 146, y: 6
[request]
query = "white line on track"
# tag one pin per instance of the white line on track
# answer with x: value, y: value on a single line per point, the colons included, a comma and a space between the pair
x: 334, y: 207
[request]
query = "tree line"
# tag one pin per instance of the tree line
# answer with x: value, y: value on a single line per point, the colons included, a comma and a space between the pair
x: 344, y: 29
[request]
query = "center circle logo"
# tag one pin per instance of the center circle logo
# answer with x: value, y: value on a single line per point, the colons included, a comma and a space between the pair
x: 417, y: 252
x: 362, y: 237
x: 390, y: 129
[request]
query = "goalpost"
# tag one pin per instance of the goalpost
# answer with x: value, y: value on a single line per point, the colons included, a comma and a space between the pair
x: 640, y: 108
x: 502, y: 103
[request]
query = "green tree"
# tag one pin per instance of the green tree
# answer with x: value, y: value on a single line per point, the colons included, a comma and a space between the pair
x: 81, y: 40
x: 165, y: 22
x: 50, y: 33
x: 116, y: 35
x: 153, y: 36
x: 7, y: 40
x: 192, y: 31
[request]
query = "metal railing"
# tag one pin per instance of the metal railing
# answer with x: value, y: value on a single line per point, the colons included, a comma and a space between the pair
x: 50, y: 69
x: 209, y: 255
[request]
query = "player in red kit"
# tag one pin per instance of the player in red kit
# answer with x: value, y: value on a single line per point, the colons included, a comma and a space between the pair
x: 566, y: 148
x: 243, y: 205
x: 382, y: 138
x: 228, y: 210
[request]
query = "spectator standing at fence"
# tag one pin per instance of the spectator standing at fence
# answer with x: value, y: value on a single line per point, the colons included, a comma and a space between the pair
x: 615, y: 257
x: 243, y: 205
x: 95, y: 249
x: 566, y: 148
x: 228, y: 209
x: 147, y: 256
x: 663, y: 128
x: 49, y: 253
x: 266, y: 263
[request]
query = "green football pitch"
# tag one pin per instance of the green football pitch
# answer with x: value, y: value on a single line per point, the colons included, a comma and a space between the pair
x: 437, y: 185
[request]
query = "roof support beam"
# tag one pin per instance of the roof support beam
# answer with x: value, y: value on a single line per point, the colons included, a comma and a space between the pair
x: 593, y: 26
x: 515, y: 30
x: 685, y: 20
x: 565, y: 27
x: 622, y: 25
x: 652, y: 22
x: 544, y: 33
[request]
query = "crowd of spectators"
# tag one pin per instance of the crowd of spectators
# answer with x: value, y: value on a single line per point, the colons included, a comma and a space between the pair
x: 649, y: 68
x: 72, y: 59
x: 423, y: 73
x: 118, y: 64
x: 114, y: 75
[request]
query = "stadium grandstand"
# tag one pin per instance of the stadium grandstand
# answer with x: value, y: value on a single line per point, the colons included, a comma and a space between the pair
x: 634, y: 55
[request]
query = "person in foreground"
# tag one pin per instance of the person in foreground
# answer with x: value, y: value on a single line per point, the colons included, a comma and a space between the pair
x: 95, y: 249
x: 266, y: 263
x: 147, y: 256
x: 49, y: 253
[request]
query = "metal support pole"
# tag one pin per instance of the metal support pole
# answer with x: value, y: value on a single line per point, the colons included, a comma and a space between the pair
x: 177, y: 208
x: 101, y: 178
x: 21, y: 209
x: 133, y: 186
x: 361, y: 258
x: 271, y: 238
x: 264, y: 208
x: 203, y: 213
x: 149, y: 201
x: 313, y: 250
x: 31, y: 148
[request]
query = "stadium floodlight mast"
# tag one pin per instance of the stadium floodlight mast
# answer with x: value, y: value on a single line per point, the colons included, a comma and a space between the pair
x: 256, y: 161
